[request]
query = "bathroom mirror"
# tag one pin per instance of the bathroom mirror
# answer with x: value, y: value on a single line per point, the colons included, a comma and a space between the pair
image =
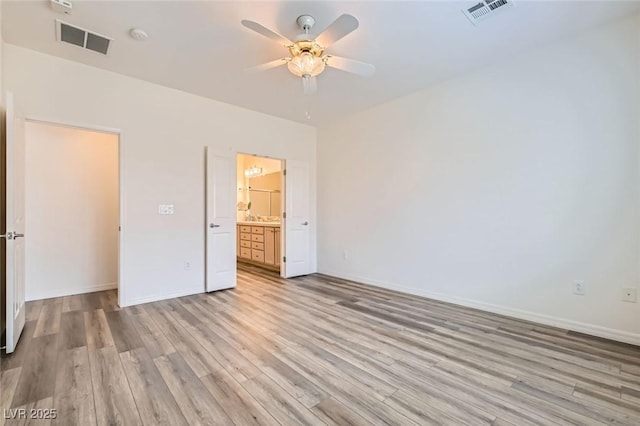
x: 264, y: 193
x: 265, y: 202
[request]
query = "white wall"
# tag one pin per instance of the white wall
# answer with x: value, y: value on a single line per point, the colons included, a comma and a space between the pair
x: 71, y: 206
x: 162, y: 137
x: 499, y: 188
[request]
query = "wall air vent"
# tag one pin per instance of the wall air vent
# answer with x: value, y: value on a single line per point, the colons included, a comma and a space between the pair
x: 486, y: 9
x: 82, y: 38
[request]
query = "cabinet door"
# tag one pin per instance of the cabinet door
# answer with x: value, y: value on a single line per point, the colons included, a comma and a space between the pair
x: 269, y: 246
x: 276, y: 244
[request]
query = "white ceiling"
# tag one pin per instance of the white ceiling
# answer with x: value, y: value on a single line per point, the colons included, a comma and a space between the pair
x: 201, y: 47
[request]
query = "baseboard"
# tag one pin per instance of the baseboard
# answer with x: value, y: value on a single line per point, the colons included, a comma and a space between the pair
x: 564, y: 323
x: 159, y: 297
x: 61, y: 292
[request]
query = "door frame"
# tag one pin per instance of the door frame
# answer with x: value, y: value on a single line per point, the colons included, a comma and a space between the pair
x: 283, y: 205
x: 121, y: 192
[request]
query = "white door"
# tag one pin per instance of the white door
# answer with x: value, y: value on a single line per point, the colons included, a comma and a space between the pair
x: 297, y: 246
x: 221, y: 220
x: 14, y: 229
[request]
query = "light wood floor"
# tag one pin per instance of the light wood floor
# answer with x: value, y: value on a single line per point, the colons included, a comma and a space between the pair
x: 313, y: 350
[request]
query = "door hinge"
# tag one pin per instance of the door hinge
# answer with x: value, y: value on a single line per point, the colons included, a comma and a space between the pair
x: 119, y: 228
x: 284, y: 172
x: 284, y: 259
x: 284, y: 215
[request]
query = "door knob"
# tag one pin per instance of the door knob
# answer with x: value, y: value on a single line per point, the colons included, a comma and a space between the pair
x: 12, y: 235
x: 213, y: 225
x: 305, y: 223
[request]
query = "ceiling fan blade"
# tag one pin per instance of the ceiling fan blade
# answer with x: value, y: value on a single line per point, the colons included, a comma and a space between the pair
x: 309, y: 85
x: 338, y: 29
x: 261, y: 29
x: 268, y: 65
x: 350, y: 65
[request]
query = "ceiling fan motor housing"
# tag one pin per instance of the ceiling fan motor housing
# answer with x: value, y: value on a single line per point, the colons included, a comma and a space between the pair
x: 310, y: 46
x: 305, y: 22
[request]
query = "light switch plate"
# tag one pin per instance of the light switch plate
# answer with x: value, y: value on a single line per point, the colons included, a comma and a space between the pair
x: 165, y: 208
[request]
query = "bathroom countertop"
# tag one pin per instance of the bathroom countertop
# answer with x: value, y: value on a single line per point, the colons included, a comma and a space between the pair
x: 269, y: 224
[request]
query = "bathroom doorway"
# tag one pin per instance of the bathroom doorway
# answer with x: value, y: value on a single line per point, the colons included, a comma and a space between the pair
x: 260, y: 206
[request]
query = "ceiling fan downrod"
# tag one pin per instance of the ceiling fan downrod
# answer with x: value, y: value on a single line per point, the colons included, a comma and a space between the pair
x: 306, y: 22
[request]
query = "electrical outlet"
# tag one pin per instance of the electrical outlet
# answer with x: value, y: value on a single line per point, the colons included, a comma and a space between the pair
x: 187, y: 266
x: 579, y: 287
x: 629, y: 294
x: 345, y: 255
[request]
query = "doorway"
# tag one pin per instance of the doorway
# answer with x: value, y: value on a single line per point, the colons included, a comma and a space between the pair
x: 223, y: 178
x: 260, y: 203
x: 72, y: 210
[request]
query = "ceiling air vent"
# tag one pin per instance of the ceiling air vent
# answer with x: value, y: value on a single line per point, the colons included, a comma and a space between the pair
x: 485, y: 9
x: 82, y: 38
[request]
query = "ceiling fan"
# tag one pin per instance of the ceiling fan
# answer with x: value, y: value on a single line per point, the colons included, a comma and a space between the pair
x: 307, y: 58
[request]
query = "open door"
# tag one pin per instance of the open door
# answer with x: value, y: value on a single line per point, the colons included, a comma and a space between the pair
x: 221, y: 220
x: 297, y: 223
x: 14, y: 228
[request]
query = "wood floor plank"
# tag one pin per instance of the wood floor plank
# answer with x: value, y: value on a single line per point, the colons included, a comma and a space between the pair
x: 49, y: 319
x: 152, y: 337
x: 156, y: 404
x: 501, y: 422
x: 331, y: 411
x: 601, y: 414
x: 109, y: 300
x: 305, y: 391
x: 16, y: 358
x: 72, y: 303
x: 34, y: 413
x: 596, y: 399
x: 237, y: 403
x: 37, y: 379
x: 258, y: 350
x: 91, y: 301
x: 194, y: 354
x: 361, y: 399
x: 631, y: 394
x: 198, y: 406
x: 114, y: 401
x: 429, y: 409
x: 123, y: 331
x: 33, y: 310
x: 8, y: 385
x: 98, y: 332
x: 72, y: 331
x: 281, y: 405
x: 523, y: 402
x: 74, y: 391
x: 232, y: 360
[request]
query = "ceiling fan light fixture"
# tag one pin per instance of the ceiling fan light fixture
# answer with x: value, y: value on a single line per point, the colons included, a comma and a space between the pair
x: 306, y: 64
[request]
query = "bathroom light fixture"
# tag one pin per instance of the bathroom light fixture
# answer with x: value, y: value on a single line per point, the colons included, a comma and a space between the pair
x: 253, y: 171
